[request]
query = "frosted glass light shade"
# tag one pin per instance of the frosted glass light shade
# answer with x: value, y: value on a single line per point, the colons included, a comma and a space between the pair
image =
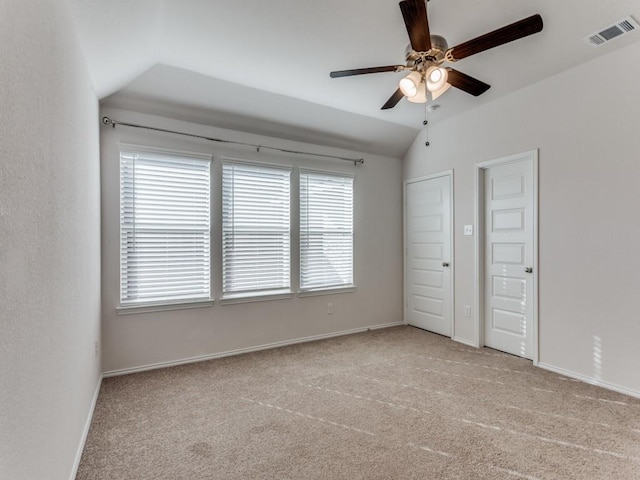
x: 437, y: 93
x: 436, y: 78
x: 410, y: 84
x: 420, y: 96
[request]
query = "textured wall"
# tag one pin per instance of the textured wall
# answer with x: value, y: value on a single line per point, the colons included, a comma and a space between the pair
x: 137, y: 340
x: 584, y: 121
x: 49, y: 241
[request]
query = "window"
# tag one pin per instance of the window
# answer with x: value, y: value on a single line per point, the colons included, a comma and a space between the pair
x: 255, y: 229
x: 164, y: 228
x: 326, y: 231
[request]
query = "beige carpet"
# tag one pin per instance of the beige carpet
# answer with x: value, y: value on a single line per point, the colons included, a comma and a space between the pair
x: 391, y: 404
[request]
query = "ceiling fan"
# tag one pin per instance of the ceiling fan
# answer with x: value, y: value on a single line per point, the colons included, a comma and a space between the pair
x: 426, y: 54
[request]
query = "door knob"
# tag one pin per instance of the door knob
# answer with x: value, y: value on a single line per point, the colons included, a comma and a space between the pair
x: 445, y: 264
x: 529, y: 269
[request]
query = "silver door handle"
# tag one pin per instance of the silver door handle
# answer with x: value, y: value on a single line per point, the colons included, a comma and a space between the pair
x: 445, y: 264
x: 529, y: 269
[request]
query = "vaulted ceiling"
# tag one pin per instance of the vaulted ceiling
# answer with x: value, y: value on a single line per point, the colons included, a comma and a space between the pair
x: 263, y: 67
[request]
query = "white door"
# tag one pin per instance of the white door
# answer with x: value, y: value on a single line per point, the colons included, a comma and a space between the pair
x: 508, y: 257
x: 428, y: 254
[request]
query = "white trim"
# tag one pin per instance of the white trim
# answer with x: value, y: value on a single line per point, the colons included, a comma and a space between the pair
x: 452, y: 249
x: 479, y: 245
x: 85, y: 431
x: 589, y: 380
x: 464, y: 341
x: 536, y: 289
x: 303, y: 292
x: 161, y: 307
x: 213, y: 356
x: 405, y: 301
x: 478, y: 219
x: 445, y: 173
x: 176, y: 304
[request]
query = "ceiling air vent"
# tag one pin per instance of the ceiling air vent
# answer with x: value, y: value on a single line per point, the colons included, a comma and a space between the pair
x: 621, y: 27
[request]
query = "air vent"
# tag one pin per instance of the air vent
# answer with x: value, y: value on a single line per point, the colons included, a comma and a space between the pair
x: 622, y: 27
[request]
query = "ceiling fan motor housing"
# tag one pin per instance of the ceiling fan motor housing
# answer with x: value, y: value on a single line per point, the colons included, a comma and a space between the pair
x: 438, y: 48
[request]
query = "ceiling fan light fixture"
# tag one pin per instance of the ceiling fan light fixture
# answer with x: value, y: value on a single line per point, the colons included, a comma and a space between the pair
x: 436, y: 78
x: 410, y: 85
x: 421, y: 96
x: 439, y: 92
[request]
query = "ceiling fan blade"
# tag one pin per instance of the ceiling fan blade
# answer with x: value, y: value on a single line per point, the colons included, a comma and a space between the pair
x: 466, y: 83
x: 414, y: 13
x: 393, y: 100
x: 362, y: 71
x: 515, y: 31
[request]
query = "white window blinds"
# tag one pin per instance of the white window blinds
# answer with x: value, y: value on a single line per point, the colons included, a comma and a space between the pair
x: 326, y: 231
x: 255, y: 229
x: 164, y: 225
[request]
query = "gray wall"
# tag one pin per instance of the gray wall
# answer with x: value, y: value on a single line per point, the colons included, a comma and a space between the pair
x: 49, y: 241
x: 584, y: 122
x: 132, y: 341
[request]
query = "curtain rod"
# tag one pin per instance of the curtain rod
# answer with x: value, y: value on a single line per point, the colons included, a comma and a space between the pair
x: 113, y: 123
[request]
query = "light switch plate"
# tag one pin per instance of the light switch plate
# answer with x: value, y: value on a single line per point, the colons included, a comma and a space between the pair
x: 468, y: 229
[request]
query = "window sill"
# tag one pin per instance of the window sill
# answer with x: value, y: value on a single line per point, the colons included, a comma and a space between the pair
x: 160, y: 307
x: 255, y: 297
x: 326, y: 291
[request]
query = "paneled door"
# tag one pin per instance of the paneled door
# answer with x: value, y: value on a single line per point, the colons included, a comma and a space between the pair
x: 509, y: 257
x: 428, y: 276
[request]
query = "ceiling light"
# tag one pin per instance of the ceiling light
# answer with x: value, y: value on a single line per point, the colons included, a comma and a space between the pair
x: 410, y: 84
x: 439, y: 92
x: 420, y: 96
x: 436, y: 78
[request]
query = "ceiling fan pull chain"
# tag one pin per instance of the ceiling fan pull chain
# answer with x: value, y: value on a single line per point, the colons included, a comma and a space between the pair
x: 426, y: 122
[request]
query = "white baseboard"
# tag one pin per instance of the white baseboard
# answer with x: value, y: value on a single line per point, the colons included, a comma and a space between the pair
x: 464, y: 341
x: 590, y: 380
x: 85, y: 432
x: 203, y: 358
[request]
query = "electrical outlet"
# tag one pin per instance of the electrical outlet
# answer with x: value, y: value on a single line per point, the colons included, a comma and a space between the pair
x: 467, y: 311
x: 468, y: 229
x: 330, y: 309
x: 96, y: 347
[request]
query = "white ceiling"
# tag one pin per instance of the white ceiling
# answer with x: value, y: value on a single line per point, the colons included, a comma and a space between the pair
x: 190, y: 58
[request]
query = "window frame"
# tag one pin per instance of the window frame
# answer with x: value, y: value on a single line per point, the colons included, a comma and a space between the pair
x: 216, y: 162
x: 332, y: 289
x: 170, y: 304
x: 227, y: 298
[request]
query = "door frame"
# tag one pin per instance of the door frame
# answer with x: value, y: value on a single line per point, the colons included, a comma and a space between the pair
x: 445, y: 173
x: 480, y: 168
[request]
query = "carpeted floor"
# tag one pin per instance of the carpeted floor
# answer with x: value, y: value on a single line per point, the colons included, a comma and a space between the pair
x: 398, y: 403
